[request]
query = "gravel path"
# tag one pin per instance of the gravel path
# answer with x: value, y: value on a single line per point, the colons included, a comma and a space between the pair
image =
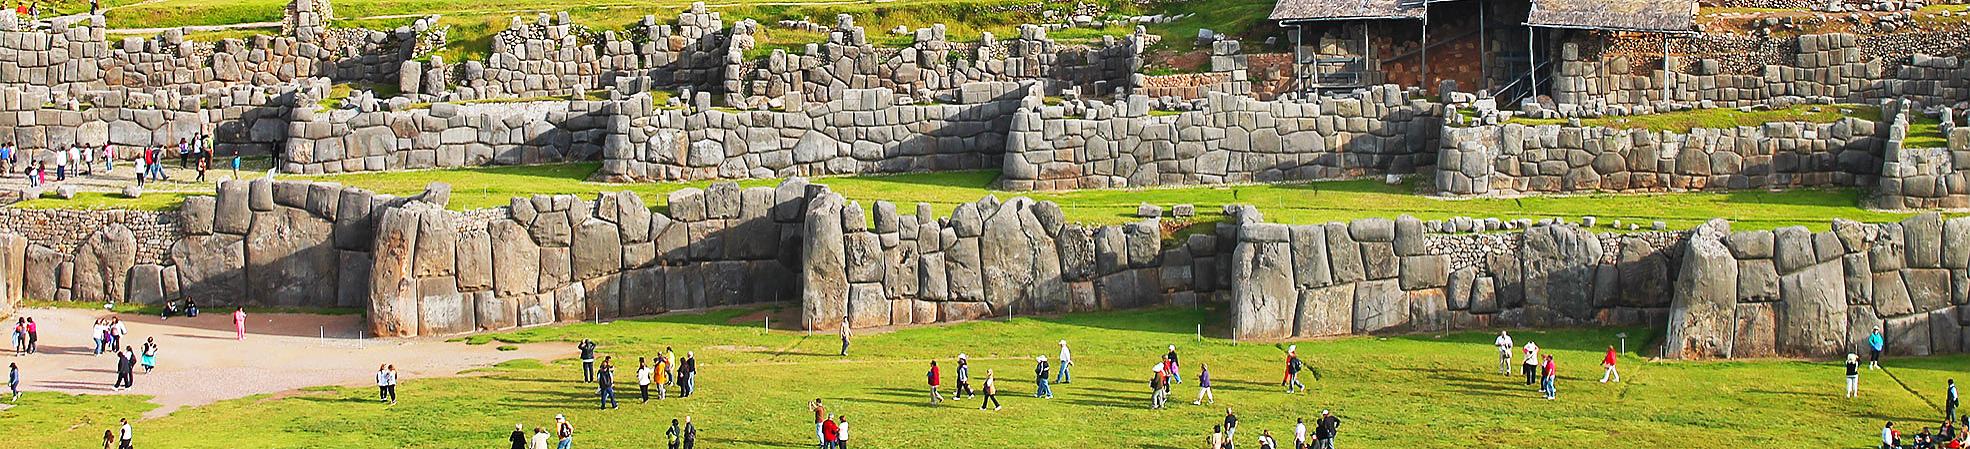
x: 200, y: 362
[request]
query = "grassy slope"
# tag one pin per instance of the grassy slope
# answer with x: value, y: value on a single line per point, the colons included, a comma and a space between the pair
x: 1411, y: 392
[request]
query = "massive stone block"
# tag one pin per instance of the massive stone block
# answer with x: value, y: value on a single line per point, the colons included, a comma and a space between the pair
x: 1020, y: 264
x: 824, y: 281
x: 103, y: 264
x: 515, y: 259
x: 1263, y: 297
x: 1757, y: 331
x: 1325, y: 311
x: 393, y: 294
x: 1812, y: 316
x: 597, y: 249
x: 1379, y: 306
x: 1705, y: 296
x: 291, y: 259
x: 1560, y: 263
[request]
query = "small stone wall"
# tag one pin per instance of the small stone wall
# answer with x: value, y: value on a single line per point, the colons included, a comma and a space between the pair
x: 1513, y: 159
x: 445, y: 135
x: 1791, y: 292
x: 1926, y: 178
x: 1828, y: 67
x: 932, y: 66
x: 866, y: 131
x: 1233, y: 139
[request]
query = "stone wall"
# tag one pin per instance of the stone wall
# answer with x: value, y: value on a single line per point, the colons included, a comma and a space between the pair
x: 934, y: 67
x: 560, y: 258
x: 865, y: 131
x: 1514, y: 159
x: 987, y: 259
x: 1825, y: 67
x: 1380, y: 275
x: 1792, y: 292
x: 445, y: 135
x: 1925, y: 178
x: 1233, y: 139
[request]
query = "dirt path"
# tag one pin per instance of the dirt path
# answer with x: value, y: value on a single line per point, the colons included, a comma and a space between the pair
x: 200, y: 362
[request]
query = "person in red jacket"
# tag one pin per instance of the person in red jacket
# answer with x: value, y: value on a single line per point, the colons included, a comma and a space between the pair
x: 830, y: 433
x: 935, y: 379
x: 1552, y: 372
x: 1608, y: 361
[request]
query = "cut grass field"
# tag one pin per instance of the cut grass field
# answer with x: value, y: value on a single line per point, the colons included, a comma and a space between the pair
x: 1422, y: 391
x: 1316, y: 202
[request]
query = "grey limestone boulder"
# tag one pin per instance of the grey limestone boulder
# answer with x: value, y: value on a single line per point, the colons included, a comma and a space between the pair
x: 1703, y: 307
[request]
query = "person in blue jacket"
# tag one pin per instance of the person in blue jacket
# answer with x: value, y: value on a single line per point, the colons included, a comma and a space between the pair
x: 1874, y: 345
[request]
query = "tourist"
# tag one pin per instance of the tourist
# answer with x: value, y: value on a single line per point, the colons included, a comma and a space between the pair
x: 688, y: 384
x: 87, y: 159
x: 964, y: 379
x: 6, y: 158
x: 841, y: 432
x: 643, y: 378
x: 1853, y: 375
x: 1175, y: 377
x: 519, y: 436
x: 202, y: 165
x: 606, y: 380
x: 14, y: 381
x: 109, y: 157
x: 99, y: 334
x: 657, y: 377
x: 20, y: 337
x: 991, y: 392
x: 61, y: 165
x: 1551, y: 376
x: 935, y: 379
x: 1217, y: 437
x: 170, y: 308
x: 383, y: 383
x: 690, y: 433
x: 830, y: 433
x: 33, y: 335
x: 540, y: 438
x: 670, y: 364
x: 565, y: 430
x: 1230, y: 427
x: 1504, y: 344
x: 1874, y: 347
x: 150, y: 354
x: 1293, y: 367
x: 1890, y: 438
x: 673, y: 437
x: 1531, y: 362
x: 587, y: 348
x: 109, y: 438
x: 1156, y: 385
x: 844, y: 336
x: 1325, y: 430
x: 1608, y: 362
x: 235, y: 164
x: 1299, y: 431
x: 184, y: 151
x: 239, y: 323
x: 191, y: 308
x: 1949, y: 403
x: 820, y: 415
x: 126, y: 435
x: 1040, y: 370
x: 1066, y: 360
x: 1266, y: 441
x: 116, y: 332
x: 126, y: 368
x: 1204, y: 385
x: 142, y: 170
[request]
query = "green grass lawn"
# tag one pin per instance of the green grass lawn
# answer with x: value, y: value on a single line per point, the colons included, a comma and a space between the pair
x: 1317, y: 202
x: 1683, y: 121
x: 1421, y: 391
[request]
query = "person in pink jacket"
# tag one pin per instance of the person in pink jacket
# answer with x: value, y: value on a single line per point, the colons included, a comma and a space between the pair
x: 239, y: 323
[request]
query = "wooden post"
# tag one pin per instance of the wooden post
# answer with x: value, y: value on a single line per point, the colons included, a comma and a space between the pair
x: 1666, y: 73
x: 1423, y: 71
x: 1532, y: 62
x: 1483, y: 44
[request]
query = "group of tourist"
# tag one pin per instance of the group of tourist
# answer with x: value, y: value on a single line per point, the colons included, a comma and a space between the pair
x: 75, y: 159
x: 386, y: 384
x: 1950, y: 435
x: 830, y: 429
x: 1542, y: 369
x: 662, y: 371
x: 27, y: 336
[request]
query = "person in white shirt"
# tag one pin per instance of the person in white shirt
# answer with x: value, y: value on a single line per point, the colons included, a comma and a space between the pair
x: 1066, y: 360
x: 841, y: 432
x: 1504, y: 344
x: 383, y: 383
x: 540, y: 438
x: 643, y: 375
x: 126, y: 435
x: 1299, y: 434
x: 1531, y: 365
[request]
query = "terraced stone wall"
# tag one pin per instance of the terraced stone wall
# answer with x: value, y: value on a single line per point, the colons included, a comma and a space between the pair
x: 1832, y: 67
x: 1514, y: 159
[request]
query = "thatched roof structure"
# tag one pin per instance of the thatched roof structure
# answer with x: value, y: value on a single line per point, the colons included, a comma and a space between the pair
x: 1319, y: 10
x: 1622, y: 15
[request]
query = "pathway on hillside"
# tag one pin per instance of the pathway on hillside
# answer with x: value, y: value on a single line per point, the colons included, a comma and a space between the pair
x: 199, y: 362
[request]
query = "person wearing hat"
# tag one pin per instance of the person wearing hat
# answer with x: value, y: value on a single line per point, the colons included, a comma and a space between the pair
x: 1040, y: 372
x: 964, y: 380
x: 1159, y: 385
x: 1171, y: 358
x: 1293, y: 366
x: 1324, y: 431
x: 991, y: 392
x: 1504, y: 344
x: 565, y: 430
x: 1066, y: 360
x: 1853, y: 375
x: 519, y: 437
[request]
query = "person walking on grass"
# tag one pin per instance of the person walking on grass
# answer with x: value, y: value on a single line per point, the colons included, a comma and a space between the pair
x: 844, y: 336
x: 1157, y: 385
x: 1230, y: 427
x: 14, y: 382
x: 1066, y: 361
x: 830, y: 433
x: 1531, y: 368
x: 587, y: 348
x: 1299, y: 432
x: 126, y: 435
x: 1040, y: 371
x: 605, y: 378
x: 688, y: 375
x: 126, y: 367
x: 540, y: 438
x: 383, y: 383
x: 841, y: 432
x: 1293, y: 367
x: 658, y: 377
x: 1325, y: 430
x: 1949, y: 403
x: 149, y: 359
x: 519, y: 437
x: 239, y: 323
x: 1504, y: 344
x: 1608, y: 362
x: 820, y: 417
x: 1890, y: 438
x: 235, y: 164
x: 643, y: 377
x: 566, y: 431
x: 1853, y: 375
x: 1551, y: 376
x: 674, y: 436
x: 670, y: 364
x: 964, y: 380
x: 1874, y: 346
x: 1204, y: 385
x: 991, y: 392
x: 1174, y: 364
x: 1216, y: 441
x: 690, y: 433
x: 1266, y: 441
x: 390, y: 375
x: 936, y: 378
